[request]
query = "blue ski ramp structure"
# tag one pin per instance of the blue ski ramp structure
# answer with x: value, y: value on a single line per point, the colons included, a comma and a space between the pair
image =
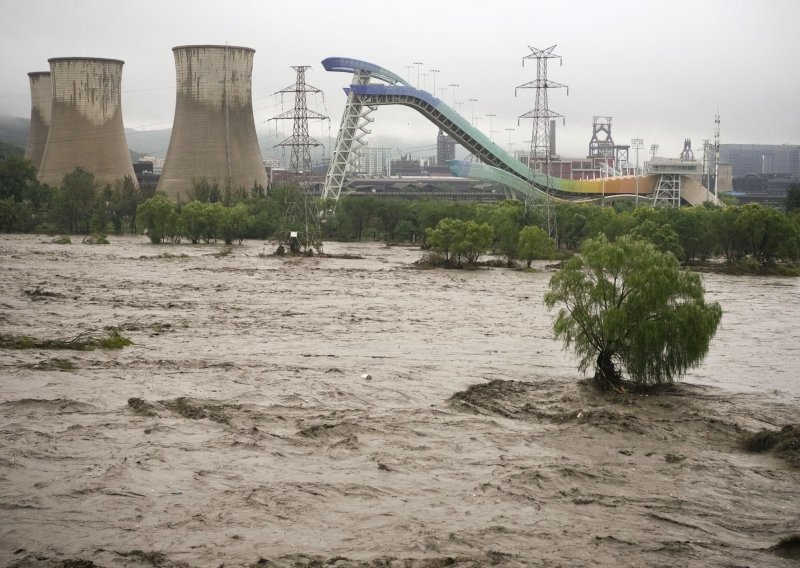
x: 496, y: 165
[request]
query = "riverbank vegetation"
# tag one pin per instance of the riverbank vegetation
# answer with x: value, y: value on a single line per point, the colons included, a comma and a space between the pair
x: 748, y: 239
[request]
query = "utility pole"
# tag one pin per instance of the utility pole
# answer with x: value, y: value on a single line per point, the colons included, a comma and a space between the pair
x: 509, y: 130
x: 491, y: 132
x: 300, y: 142
x: 418, y: 64
x: 637, y: 144
x: 540, y: 157
x: 473, y: 101
x: 716, y: 157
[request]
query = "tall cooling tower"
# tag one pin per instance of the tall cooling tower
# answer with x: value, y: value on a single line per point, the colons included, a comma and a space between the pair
x: 41, y: 100
x: 213, y: 134
x: 86, y: 121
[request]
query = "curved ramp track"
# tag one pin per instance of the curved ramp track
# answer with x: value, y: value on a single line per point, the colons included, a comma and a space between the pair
x: 496, y: 165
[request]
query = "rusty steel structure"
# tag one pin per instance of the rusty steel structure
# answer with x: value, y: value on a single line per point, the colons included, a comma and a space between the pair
x: 213, y: 133
x: 41, y: 102
x: 86, y: 121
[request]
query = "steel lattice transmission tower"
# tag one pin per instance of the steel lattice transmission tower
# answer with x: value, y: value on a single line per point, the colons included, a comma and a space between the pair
x: 540, y: 156
x: 300, y: 142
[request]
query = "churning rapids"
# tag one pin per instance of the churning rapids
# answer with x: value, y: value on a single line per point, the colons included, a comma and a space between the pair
x: 256, y: 436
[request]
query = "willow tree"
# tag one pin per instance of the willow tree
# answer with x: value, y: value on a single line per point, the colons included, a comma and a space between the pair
x: 630, y: 312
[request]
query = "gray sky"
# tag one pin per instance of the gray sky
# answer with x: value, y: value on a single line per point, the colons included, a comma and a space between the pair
x: 661, y: 69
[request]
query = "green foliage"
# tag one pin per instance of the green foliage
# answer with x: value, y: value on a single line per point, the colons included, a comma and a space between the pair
x: 233, y: 223
x: 534, y: 243
x: 460, y: 241
x: 627, y: 308
x: 16, y: 175
x: 506, y: 220
x: 158, y: 217
x: 662, y: 236
x: 74, y: 201
x: 792, y: 202
x: 355, y: 213
x: 205, y: 192
x: 114, y: 340
x: 194, y: 221
x: 125, y: 198
x: 766, y: 234
x: 81, y: 342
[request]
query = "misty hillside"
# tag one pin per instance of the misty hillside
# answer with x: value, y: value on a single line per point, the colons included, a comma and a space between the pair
x: 14, y: 138
x: 14, y: 130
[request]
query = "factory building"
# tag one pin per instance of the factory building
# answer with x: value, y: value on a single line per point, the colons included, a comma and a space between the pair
x: 754, y: 159
x: 213, y: 133
x: 41, y: 103
x: 86, y: 121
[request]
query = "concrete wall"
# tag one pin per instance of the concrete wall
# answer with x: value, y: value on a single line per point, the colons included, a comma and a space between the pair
x: 41, y: 102
x: 213, y: 134
x: 86, y: 121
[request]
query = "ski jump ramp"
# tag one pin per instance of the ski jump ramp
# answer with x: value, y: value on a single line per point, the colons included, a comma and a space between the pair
x: 496, y: 165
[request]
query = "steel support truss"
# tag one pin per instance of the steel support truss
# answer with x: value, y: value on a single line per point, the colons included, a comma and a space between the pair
x: 668, y: 191
x: 350, y: 138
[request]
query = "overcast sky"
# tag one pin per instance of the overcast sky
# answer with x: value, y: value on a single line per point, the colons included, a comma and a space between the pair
x: 660, y: 69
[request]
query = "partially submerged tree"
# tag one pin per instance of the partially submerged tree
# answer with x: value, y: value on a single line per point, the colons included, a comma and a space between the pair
x: 534, y: 243
x: 460, y: 241
x: 628, y: 309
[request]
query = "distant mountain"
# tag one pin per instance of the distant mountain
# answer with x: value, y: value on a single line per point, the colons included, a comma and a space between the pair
x: 14, y: 130
x: 148, y: 142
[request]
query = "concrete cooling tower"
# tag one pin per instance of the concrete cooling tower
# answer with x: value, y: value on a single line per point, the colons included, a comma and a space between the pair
x: 41, y: 100
x: 86, y: 121
x: 213, y: 134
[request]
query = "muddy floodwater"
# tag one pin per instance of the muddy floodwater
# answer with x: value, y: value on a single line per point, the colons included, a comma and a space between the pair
x: 362, y: 412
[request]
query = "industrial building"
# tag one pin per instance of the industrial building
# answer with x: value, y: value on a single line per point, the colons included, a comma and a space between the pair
x: 756, y: 159
x: 41, y: 103
x: 213, y: 133
x: 86, y: 127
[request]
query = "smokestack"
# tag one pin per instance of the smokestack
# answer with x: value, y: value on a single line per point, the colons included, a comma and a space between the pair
x: 553, y: 152
x: 41, y: 101
x: 86, y: 121
x: 213, y: 134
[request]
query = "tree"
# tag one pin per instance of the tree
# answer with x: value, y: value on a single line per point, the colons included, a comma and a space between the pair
x: 534, y: 243
x: 16, y: 175
x: 194, y: 221
x: 234, y: 223
x: 124, y: 200
x: 73, y: 203
x: 506, y: 220
x: 792, y: 202
x: 628, y: 308
x: 458, y: 241
x: 158, y: 217
x: 663, y: 236
x: 767, y: 234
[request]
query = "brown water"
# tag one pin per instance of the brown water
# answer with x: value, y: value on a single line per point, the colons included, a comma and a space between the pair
x: 300, y: 454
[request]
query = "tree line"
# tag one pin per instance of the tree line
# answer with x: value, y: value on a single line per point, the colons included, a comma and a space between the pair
x: 751, y: 233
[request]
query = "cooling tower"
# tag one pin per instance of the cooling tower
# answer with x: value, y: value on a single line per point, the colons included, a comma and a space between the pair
x: 213, y: 134
x: 86, y: 121
x: 41, y: 100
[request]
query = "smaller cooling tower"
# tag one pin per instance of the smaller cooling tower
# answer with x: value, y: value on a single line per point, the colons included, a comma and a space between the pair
x: 41, y: 100
x: 86, y: 121
x: 213, y: 134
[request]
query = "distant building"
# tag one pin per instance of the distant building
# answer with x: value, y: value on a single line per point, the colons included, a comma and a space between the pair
x: 445, y: 148
x: 769, y: 189
x: 374, y: 161
x: 755, y: 159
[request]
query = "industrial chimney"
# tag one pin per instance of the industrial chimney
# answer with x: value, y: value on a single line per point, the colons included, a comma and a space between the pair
x: 86, y: 121
x: 41, y: 100
x: 213, y: 134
